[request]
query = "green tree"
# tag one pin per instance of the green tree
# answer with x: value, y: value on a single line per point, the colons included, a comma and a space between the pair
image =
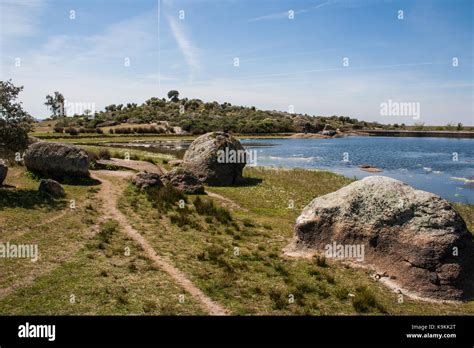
x: 460, y: 126
x: 15, y: 123
x: 56, y: 105
x: 173, y: 95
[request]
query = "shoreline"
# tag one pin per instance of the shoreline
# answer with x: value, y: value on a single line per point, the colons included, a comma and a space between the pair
x: 384, y: 133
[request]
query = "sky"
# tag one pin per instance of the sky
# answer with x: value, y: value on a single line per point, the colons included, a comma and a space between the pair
x: 320, y: 57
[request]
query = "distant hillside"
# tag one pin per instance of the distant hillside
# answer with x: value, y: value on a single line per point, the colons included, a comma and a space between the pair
x: 196, y: 117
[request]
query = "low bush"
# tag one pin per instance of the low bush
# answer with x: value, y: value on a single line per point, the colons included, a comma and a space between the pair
x: 107, y: 229
x: 279, y: 298
x: 104, y: 154
x: 165, y: 198
x: 207, y: 207
x: 365, y: 301
x: 71, y: 131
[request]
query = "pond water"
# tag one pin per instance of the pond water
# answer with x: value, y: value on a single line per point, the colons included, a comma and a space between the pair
x: 443, y: 166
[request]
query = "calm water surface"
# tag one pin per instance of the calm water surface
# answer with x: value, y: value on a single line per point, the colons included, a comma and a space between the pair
x: 439, y: 165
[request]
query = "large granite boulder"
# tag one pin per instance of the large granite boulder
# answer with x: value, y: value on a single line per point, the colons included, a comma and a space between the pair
x: 414, y: 237
x: 51, y: 188
x: 3, y: 172
x: 183, y: 180
x: 216, y: 159
x: 57, y: 160
x: 144, y: 180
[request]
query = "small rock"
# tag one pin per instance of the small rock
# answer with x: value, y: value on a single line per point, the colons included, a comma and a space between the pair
x: 183, y: 180
x: 3, y: 172
x: 144, y: 180
x: 175, y: 163
x: 370, y: 169
x: 328, y: 130
x: 52, y: 188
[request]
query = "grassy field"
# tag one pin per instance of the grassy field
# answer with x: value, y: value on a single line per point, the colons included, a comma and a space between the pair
x: 230, y: 244
x: 83, y: 267
x: 240, y: 263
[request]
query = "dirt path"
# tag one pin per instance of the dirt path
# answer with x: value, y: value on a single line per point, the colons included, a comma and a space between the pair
x: 138, y: 166
x: 109, y: 194
x: 226, y: 202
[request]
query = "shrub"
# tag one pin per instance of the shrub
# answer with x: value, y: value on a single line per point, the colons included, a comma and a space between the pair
x: 207, y: 207
x: 279, y: 298
x: 320, y: 261
x: 72, y: 131
x: 365, y: 301
x: 341, y: 293
x: 214, y: 252
x: 104, y: 154
x: 107, y: 229
x: 58, y: 129
x: 248, y: 223
x: 149, y: 306
x: 165, y: 198
x: 92, y: 156
x: 181, y: 218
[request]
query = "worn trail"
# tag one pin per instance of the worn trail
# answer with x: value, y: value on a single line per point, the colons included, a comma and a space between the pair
x: 109, y: 194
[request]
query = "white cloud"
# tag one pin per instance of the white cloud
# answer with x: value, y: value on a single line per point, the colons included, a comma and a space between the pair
x: 19, y: 18
x: 188, y: 50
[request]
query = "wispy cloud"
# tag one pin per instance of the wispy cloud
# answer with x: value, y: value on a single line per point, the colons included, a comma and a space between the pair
x: 282, y: 15
x: 19, y: 18
x: 187, y: 49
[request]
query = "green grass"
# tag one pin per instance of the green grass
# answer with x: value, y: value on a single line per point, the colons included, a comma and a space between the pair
x: 208, y: 208
x: 79, y: 257
x: 134, y: 154
x: 243, y: 266
x: 236, y: 257
x: 109, y: 276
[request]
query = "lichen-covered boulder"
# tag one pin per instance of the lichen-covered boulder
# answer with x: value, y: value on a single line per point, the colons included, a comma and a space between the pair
x: 414, y: 237
x: 183, y: 180
x: 57, y: 160
x: 51, y: 188
x: 216, y: 159
x: 144, y: 180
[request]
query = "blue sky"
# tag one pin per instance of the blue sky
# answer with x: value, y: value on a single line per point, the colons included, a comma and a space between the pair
x: 283, y: 61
